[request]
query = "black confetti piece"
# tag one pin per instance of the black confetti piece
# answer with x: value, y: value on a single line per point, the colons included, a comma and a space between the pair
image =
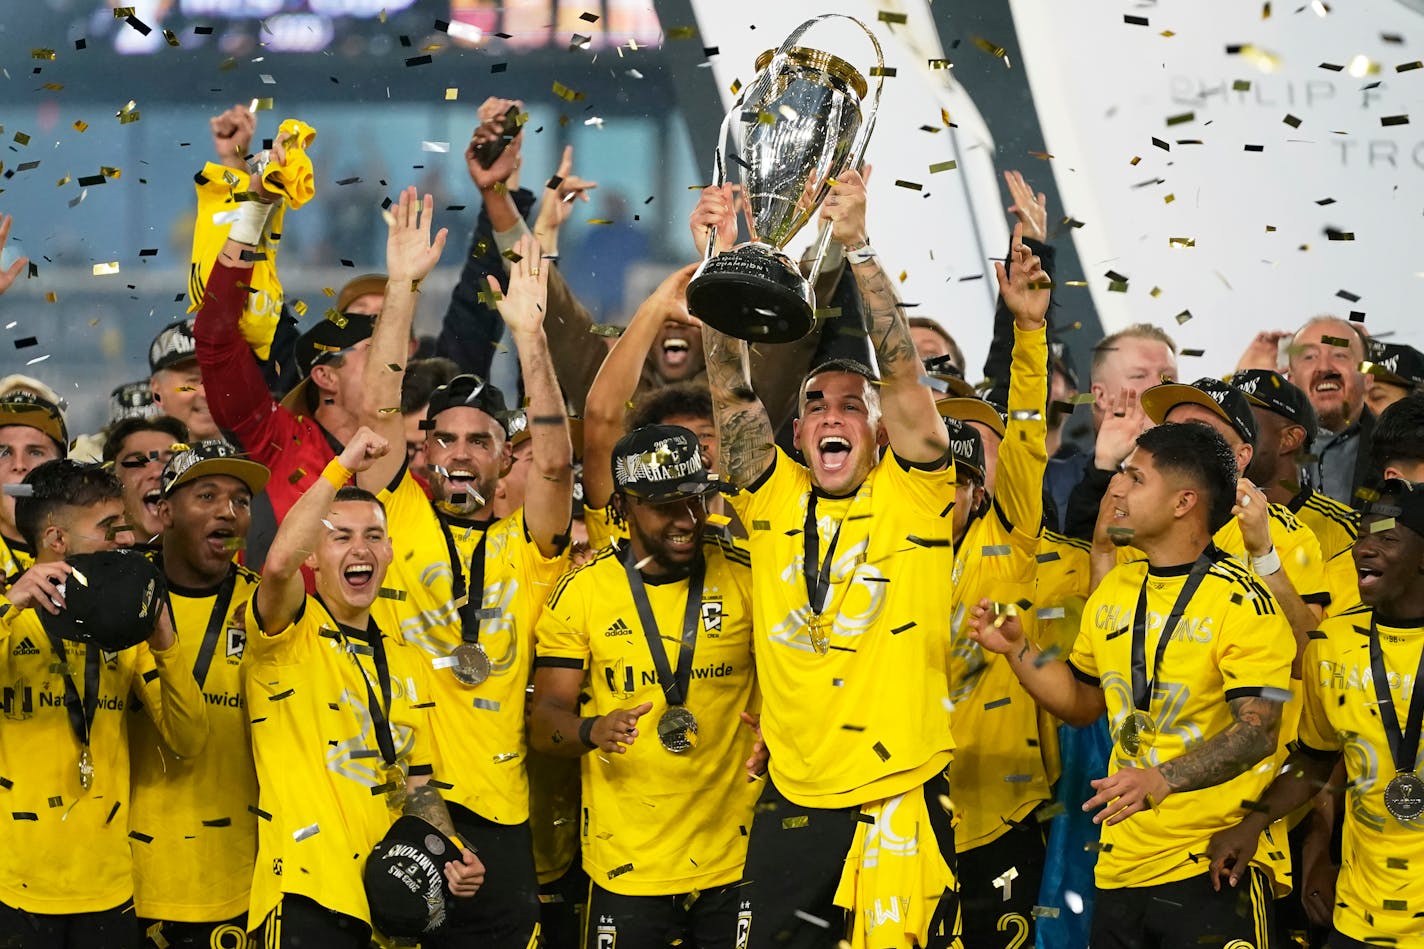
x: 1387, y: 120
x: 997, y: 703
x: 425, y: 60
x: 140, y: 836
x: 24, y: 815
x: 26, y: 342
x: 282, y: 695
x: 900, y: 629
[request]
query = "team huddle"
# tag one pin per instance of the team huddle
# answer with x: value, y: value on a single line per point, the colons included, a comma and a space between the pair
x: 326, y: 641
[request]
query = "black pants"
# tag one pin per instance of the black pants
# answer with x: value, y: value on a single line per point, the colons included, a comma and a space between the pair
x: 997, y: 917
x: 162, y: 934
x: 301, y: 923
x: 1187, y: 914
x: 504, y: 912
x: 705, y: 920
x: 562, y: 905
x: 117, y: 928
x: 1339, y: 940
x: 795, y: 856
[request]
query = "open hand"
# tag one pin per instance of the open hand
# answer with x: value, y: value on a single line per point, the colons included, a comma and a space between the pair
x: 1025, y: 287
x: 1125, y: 793
x: 410, y: 254
x: 1001, y: 634
x: 10, y: 275
x: 617, y: 730
x: 559, y: 196
x: 1031, y: 209
x: 523, y: 305
x: 1117, y: 436
x: 38, y: 588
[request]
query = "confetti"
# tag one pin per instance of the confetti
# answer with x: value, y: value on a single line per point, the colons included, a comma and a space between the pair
x: 937, y: 167
x: 105, y: 269
x: 992, y: 49
x: 311, y: 830
x: 885, y: 16
x: 1388, y: 120
x: 440, y: 148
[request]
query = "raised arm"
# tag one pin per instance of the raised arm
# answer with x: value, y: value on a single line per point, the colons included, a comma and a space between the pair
x: 549, y: 496
x: 280, y: 594
x: 1051, y: 682
x: 617, y: 380
x: 410, y: 256
x: 745, y: 438
x: 1253, y: 512
x: 916, y: 431
x: 1024, y: 290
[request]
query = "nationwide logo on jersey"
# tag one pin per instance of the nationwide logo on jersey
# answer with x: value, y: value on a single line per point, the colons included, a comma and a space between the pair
x: 712, y: 616
x: 619, y: 628
x: 25, y: 648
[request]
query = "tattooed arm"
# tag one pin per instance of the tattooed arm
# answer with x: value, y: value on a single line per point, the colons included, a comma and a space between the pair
x: 747, y: 442
x: 464, y: 873
x: 916, y: 431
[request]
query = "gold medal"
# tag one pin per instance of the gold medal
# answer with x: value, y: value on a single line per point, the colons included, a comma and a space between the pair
x: 816, y: 630
x: 1137, y: 733
x: 393, y: 781
x: 86, y: 767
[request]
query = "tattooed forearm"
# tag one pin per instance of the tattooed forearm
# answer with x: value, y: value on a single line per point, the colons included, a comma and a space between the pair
x: 426, y: 803
x: 743, y: 428
x: 1250, y: 738
x: 889, y: 332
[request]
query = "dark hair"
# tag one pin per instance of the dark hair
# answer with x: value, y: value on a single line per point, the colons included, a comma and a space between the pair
x: 422, y: 378
x: 1198, y: 452
x: 351, y: 492
x: 679, y: 398
x: 933, y: 325
x: 119, y: 433
x: 60, y: 484
x: 1399, y: 434
x: 852, y: 366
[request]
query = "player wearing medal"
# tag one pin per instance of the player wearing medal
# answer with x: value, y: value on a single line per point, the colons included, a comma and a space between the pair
x: 657, y: 629
x: 67, y: 877
x: 1191, y: 659
x: 192, y: 880
x: 1362, y: 705
x: 467, y: 587
x: 340, y: 732
x: 851, y: 606
x: 32, y: 431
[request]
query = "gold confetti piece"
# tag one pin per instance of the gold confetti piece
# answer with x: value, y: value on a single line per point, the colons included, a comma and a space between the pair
x: 234, y: 543
x: 1382, y: 525
x: 911, y: 185
x: 22, y: 138
x: 1264, y: 60
x: 170, y: 38
x: 599, y: 220
x: 1168, y: 198
x: 940, y: 64
x: 718, y: 520
x: 80, y: 125
x: 565, y: 93
x: 609, y: 330
x: 42, y: 53
x: 388, y: 410
x: 452, y: 93
x: 62, y: 182
x: 1155, y: 292
x: 992, y: 49
x: 489, y: 297
x: 1135, y: 159
x: 1180, y: 242
x: 1241, y: 85
x: 1083, y: 398
x: 51, y: 297
x: 1182, y: 118
x: 108, y: 172
x: 789, y: 823
x: 1041, y: 156
x: 261, y: 105
x: 886, y: 71
x: 101, y: 270
x: 299, y: 308
x: 1183, y: 317
x: 681, y: 33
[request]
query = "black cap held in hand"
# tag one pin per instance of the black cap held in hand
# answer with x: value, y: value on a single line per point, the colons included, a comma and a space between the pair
x: 405, y: 878
x: 111, y: 600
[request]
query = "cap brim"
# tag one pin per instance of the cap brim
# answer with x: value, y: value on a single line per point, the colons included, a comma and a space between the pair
x: 33, y: 416
x: 1162, y: 399
x: 358, y: 287
x: 248, y: 472
x: 972, y: 410
x: 955, y: 386
x: 170, y: 361
x: 692, y: 487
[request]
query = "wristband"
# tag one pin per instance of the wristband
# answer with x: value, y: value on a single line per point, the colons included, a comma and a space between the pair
x: 336, y: 474
x: 861, y: 254
x: 251, y: 221
x: 1266, y: 565
x: 586, y: 731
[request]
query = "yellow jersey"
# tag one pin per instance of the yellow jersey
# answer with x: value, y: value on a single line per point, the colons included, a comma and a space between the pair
x: 480, y: 732
x: 657, y: 823
x: 999, y: 773
x: 1335, y: 527
x: 1378, y: 896
x: 602, y: 531
x: 198, y: 866
x: 869, y: 718
x: 68, y: 848
x: 318, y: 760
x: 1231, y: 642
x: 15, y: 558
x: 553, y: 813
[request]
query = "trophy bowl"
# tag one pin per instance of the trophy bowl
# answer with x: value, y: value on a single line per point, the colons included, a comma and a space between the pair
x: 796, y: 126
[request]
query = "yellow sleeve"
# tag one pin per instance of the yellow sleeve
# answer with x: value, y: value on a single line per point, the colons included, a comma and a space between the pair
x: 560, y: 632
x: 1255, y: 649
x: 780, y: 487
x: 601, y: 530
x: 1300, y: 557
x: 542, y: 572
x: 1023, y: 456
x: 283, y: 648
x: 172, y: 699
x: 1315, y: 730
x: 931, y: 493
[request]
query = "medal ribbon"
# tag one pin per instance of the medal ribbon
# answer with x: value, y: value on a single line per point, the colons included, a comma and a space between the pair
x: 1142, y: 686
x: 818, y: 583
x: 81, y: 713
x: 675, y: 686
x: 469, y: 618
x: 380, y: 713
x: 215, y: 624
x: 1403, y: 746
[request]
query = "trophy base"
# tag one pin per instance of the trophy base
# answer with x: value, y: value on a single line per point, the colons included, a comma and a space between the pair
x: 753, y: 293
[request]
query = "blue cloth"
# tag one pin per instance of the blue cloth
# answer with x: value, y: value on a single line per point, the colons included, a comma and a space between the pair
x: 1073, y: 838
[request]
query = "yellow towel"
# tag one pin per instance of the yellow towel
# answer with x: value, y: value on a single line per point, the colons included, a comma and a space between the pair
x: 894, y: 876
x: 294, y: 177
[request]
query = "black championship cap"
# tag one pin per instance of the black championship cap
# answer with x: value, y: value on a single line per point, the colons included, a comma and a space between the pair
x: 405, y: 878
x: 214, y: 457
x: 1226, y: 401
x: 1274, y: 392
x: 473, y: 392
x: 173, y: 345
x: 1401, y: 500
x: 132, y: 400
x: 111, y: 600
x: 661, y: 463
x: 20, y: 407
x: 326, y: 339
x: 1396, y: 364
x: 966, y: 446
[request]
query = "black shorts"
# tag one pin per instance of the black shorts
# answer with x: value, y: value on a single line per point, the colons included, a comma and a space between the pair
x: 1186, y: 914
x: 1339, y: 940
x: 300, y: 923
x: 561, y: 909
x: 1001, y: 917
x: 794, y: 865
x: 504, y: 912
x: 117, y: 927
x: 163, y: 934
x: 705, y: 920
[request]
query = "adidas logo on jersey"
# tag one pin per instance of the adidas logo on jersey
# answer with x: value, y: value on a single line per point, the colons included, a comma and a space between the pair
x: 619, y: 628
x: 25, y: 648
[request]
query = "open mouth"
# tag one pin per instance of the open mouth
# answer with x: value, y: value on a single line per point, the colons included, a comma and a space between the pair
x: 220, y: 540
x: 1369, y: 578
x: 681, y: 541
x: 359, y: 575
x: 835, y: 452
x: 676, y: 352
x: 150, y: 502
x: 1331, y: 383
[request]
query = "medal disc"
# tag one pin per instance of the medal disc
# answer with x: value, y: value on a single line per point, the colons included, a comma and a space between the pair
x: 677, y: 729
x: 1404, y: 796
x: 816, y: 632
x: 472, y: 664
x: 1137, y: 733
x: 86, y: 768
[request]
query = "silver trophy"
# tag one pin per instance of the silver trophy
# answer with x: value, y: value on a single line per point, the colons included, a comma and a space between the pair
x: 798, y: 124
